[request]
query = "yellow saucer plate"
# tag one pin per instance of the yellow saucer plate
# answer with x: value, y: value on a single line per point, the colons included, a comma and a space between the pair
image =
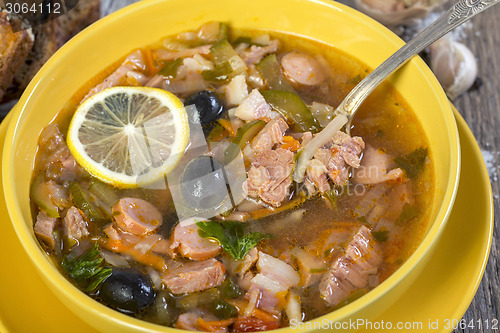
x: 441, y: 294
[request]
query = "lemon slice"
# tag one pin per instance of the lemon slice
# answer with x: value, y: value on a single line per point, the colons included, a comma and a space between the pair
x: 129, y: 136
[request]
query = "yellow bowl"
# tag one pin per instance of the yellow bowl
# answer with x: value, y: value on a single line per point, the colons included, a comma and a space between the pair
x: 146, y: 22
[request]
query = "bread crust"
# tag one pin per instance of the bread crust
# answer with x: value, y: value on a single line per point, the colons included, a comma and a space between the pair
x: 14, y: 49
x: 48, y: 38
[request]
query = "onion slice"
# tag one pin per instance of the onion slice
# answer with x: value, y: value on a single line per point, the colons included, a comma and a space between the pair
x: 317, y: 142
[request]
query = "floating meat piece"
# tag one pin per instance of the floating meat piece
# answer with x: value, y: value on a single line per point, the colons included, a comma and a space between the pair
x: 316, y: 173
x: 269, y: 177
x: 195, y: 276
x: 44, y: 228
x: 256, y: 53
x: 254, y: 107
x: 350, y: 148
x: 133, y: 63
x: 375, y: 168
x: 334, y: 161
x: 74, y: 224
x: 350, y: 272
x: 271, y: 135
x: 273, y: 281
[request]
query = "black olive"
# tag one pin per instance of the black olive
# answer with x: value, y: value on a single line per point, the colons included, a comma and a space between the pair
x: 208, y: 105
x: 203, y: 183
x: 127, y: 290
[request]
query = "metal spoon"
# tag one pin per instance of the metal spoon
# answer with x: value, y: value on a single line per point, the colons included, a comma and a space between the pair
x: 460, y: 13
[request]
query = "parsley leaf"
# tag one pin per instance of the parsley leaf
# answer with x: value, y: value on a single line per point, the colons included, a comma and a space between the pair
x: 413, y: 163
x: 409, y: 212
x: 381, y: 235
x: 231, y: 236
x: 86, y: 269
x: 363, y: 220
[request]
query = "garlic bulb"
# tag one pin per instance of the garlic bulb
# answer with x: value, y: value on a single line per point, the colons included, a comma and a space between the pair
x: 454, y: 66
x: 397, y: 12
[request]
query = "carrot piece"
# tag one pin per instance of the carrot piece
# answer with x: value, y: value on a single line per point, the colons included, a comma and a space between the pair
x: 215, y: 325
x: 263, y: 315
x: 149, y: 60
x: 244, y: 324
x: 227, y: 126
x: 149, y: 259
x: 115, y: 245
x: 290, y: 143
x: 241, y: 305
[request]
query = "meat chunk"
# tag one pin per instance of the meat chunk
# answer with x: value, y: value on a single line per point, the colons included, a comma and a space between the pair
x: 136, y: 216
x: 350, y: 148
x: 195, y: 276
x: 186, y: 241
x: 375, y: 168
x: 269, y: 177
x: 74, y: 224
x: 302, y: 69
x: 337, y: 169
x: 316, y: 172
x: 256, y: 53
x: 273, y: 281
x: 133, y: 62
x: 271, y: 135
x: 58, y: 163
x: 334, y: 161
x: 254, y: 107
x: 350, y: 272
x: 310, y: 266
x: 44, y: 228
x: 277, y: 269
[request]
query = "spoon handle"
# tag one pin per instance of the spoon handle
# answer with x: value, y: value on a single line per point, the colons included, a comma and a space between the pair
x: 461, y: 12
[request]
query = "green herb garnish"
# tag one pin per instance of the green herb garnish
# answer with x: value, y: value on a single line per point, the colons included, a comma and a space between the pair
x: 409, y: 212
x: 169, y: 70
x: 413, y: 163
x: 318, y: 270
x: 331, y: 196
x: 86, y: 269
x: 363, y: 220
x: 351, y: 298
x: 355, y: 80
x: 381, y: 235
x: 231, y: 236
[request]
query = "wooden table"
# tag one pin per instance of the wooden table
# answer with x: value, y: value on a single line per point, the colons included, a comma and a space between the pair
x: 481, y: 109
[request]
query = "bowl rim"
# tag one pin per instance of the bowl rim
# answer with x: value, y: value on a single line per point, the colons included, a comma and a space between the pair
x: 50, y: 273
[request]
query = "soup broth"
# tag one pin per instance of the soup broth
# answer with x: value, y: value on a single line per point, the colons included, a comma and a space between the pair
x: 292, y: 248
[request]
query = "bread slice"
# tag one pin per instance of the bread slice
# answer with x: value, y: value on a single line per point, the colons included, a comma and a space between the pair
x: 49, y: 37
x: 14, y: 49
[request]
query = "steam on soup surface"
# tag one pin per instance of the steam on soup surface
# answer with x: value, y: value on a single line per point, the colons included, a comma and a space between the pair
x: 292, y: 246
